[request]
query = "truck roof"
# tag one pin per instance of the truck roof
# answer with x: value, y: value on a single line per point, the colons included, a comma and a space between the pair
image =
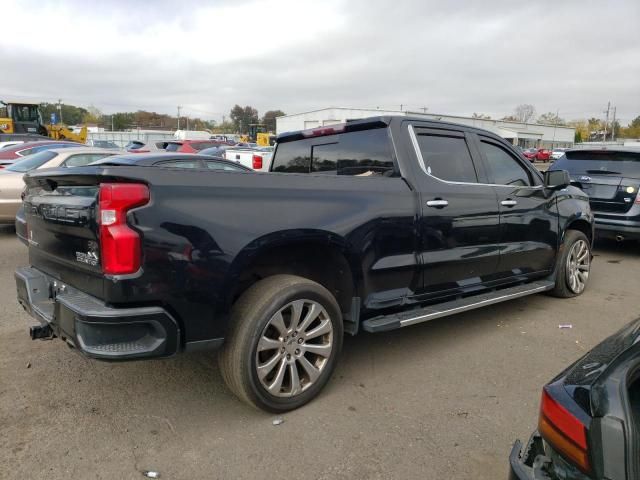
x: 365, y: 124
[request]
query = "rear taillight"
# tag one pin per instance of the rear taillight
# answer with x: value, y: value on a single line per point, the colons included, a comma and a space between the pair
x: 120, y: 246
x: 257, y: 162
x: 564, y: 432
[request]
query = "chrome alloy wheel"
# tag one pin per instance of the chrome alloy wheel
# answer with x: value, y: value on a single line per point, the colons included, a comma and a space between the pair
x: 578, y: 265
x: 294, y: 348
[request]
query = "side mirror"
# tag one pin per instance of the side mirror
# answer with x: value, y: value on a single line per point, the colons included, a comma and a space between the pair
x: 556, y: 179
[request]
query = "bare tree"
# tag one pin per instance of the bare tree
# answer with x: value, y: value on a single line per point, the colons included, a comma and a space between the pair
x: 525, y: 112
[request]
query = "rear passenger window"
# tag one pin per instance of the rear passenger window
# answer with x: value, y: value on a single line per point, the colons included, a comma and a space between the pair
x: 503, y: 168
x: 448, y: 158
x: 181, y: 164
x: 83, y: 159
x: 362, y: 153
x: 293, y: 157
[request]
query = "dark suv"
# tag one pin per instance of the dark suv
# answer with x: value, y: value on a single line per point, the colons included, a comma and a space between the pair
x: 611, y: 178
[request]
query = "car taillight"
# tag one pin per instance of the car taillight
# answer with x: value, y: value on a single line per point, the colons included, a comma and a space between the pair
x: 564, y: 432
x: 257, y: 162
x: 120, y: 245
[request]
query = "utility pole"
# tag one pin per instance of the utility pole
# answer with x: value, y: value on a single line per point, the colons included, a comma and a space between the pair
x: 112, y: 122
x: 613, y: 125
x: 606, y: 122
x: 60, y: 109
x: 187, y: 123
x: 179, y: 107
x: 400, y: 107
x: 555, y: 125
x: 424, y: 109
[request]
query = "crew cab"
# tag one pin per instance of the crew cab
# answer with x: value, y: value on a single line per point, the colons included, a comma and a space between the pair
x: 374, y: 225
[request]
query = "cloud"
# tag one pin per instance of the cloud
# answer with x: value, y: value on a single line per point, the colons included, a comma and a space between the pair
x: 451, y: 57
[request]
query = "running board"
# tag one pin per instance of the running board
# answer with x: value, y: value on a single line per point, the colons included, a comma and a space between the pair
x: 406, y: 318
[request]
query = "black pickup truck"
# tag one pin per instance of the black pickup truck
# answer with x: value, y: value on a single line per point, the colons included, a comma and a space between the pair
x: 372, y: 225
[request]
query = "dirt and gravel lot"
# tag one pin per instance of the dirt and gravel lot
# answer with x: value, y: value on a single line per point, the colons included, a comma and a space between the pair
x: 439, y: 400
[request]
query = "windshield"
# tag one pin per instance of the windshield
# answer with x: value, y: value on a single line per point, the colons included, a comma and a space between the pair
x: 592, y: 162
x: 32, y: 161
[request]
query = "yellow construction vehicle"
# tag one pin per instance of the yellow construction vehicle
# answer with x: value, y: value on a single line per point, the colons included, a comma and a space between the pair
x: 24, y: 117
x: 265, y: 139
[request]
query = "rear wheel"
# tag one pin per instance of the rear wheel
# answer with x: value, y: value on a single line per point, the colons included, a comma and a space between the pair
x: 574, y: 265
x: 284, y: 340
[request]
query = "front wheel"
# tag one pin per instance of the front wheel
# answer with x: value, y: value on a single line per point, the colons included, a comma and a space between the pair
x: 574, y: 265
x: 283, y: 343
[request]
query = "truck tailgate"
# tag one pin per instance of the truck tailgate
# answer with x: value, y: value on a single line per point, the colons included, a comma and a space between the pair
x: 62, y: 235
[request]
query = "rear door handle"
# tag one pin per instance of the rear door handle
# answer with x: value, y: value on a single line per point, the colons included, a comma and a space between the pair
x: 437, y: 203
x: 508, y: 203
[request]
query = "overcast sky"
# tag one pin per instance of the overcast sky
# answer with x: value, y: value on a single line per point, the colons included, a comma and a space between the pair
x: 452, y: 57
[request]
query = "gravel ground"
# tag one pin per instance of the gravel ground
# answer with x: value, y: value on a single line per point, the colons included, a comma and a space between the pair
x: 439, y: 400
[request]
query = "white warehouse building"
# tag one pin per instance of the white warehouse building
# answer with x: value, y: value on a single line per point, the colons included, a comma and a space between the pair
x: 522, y: 134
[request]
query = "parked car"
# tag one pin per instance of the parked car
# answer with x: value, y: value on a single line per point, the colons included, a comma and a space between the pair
x: 108, y: 144
x: 185, y: 160
x: 9, y: 155
x: 611, y: 179
x: 10, y: 139
x: 589, y: 425
x: 12, y: 185
x: 543, y: 155
x: 256, y: 158
x: 531, y: 154
x: 137, y: 146
x: 189, y: 146
x: 556, y: 153
x: 373, y: 225
x: 217, y: 151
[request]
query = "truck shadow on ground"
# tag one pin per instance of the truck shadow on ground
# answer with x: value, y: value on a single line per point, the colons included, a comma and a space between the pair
x: 192, y: 382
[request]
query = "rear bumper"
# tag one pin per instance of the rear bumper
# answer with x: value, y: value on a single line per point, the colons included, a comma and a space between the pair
x: 613, y: 228
x: 8, y: 210
x: 528, y: 463
x: 95, y: 329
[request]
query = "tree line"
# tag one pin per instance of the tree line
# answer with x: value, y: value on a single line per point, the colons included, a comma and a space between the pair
x: 240, y: 119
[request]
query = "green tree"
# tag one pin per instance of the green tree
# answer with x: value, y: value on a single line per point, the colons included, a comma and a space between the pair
x: 577, y: 137
x: 243, y: 117
x: 269, y: 119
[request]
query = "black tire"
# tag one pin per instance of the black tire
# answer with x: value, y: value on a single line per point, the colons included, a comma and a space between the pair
x: 562, y: 287
x: 250, y: 315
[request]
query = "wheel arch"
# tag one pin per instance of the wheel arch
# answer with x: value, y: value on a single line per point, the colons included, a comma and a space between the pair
x: 319, y: 255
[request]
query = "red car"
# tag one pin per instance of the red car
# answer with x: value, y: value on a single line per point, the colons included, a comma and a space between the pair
x: 190, y: 146
x: 531, y: 154
x: 544, y: 154
x: 13, y: 153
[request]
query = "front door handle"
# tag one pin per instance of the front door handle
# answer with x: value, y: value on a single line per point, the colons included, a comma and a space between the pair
x: 437, y: 203
x: 508, y: 203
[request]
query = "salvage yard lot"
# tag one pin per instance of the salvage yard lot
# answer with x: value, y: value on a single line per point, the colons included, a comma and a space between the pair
x: 444, y: 399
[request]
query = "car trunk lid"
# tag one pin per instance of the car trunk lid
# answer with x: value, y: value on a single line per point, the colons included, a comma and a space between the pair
x: 611, y: 179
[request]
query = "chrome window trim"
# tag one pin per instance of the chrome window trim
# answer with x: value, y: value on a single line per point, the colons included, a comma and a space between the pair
x: 416, y: 147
